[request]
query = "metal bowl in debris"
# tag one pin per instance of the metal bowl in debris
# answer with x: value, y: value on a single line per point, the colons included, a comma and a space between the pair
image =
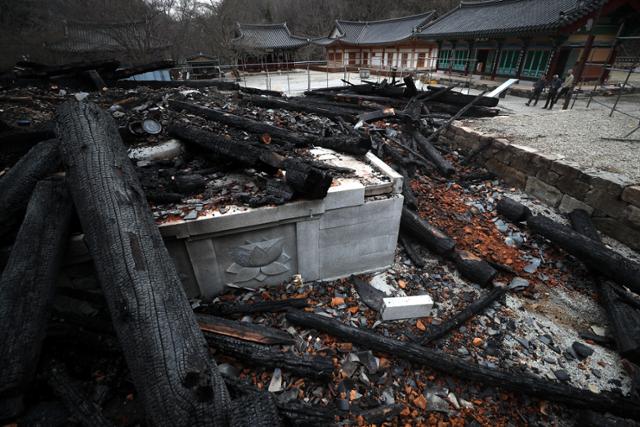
x: 151, y: 127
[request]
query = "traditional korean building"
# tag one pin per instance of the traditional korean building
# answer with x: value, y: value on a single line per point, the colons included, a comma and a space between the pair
x: 379, y: 45
x: 130, y: 42
x: 529, y: 38
x: 266, y: 44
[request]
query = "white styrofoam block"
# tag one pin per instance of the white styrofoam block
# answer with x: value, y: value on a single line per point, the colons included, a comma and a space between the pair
x: 406, y: 307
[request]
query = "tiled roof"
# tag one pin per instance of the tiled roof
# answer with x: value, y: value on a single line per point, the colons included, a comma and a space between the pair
x: 267, y: 36
x: 494, y: 17
x: 88, y: 37
x: 377, y: 32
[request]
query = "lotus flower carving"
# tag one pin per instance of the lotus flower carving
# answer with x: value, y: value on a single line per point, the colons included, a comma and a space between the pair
x: 258, y: 260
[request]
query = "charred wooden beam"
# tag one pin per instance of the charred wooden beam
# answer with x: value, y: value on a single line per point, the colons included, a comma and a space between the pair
x: 444, y: 166
x: 460, y: 99
x: 473, y: 309
x: 434, y: 239
x: 434, y: 136
x: 474, y: 268
x: 261, y: 355
x: 254, y: 410
x: 304, y: 179
x: 452, y: 365
x: 243, y: 330
x: 27, y: 288
x: 607, y: 262
x: 16, y: 186
x: 259, y: 307
x: 158, y: 84
x: 81, y: 406
x: 514, y: 211
x: 624, y: 319
x: 343, y: 144
x: 165, y: 351
x: 291, y: 104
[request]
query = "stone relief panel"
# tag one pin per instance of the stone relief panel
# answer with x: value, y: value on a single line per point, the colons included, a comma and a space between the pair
x: 259, y: 257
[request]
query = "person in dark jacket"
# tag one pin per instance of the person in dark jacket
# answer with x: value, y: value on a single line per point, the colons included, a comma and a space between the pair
x: 554, y: 86
x: 538, y: 87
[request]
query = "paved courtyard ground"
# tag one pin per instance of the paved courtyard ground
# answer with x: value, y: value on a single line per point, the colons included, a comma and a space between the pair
x: 576, y: 134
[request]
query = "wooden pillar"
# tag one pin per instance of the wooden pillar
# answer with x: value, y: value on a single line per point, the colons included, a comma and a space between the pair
x: 523, y: 57
x: 439, y: 42
x: 494, y: 71
x: 471, y: 45
x: 586, y: 53
x: 555, y: 56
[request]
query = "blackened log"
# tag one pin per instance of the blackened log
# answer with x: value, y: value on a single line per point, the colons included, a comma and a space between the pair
x: 328, y: 104
x: 369, y: 295
x: 159, y: 84
x: 412, y: 251
x: 295, y: 412
x: 265, y: 356
x: 581, y: 222
x: 178, y: 382
x: 455, y: 366
x: 513, y: 211
x: 254, y: 410
x: 436, y: 332
x: 410, y: 87
x: 434, y: 136
x: 434, y: 239
x: 607, y: 262
x: 256, y: 91
x: 16, y: 186
x: 243, y: 330
x: 75, y: 399
x: 19, y: 141
x: 27, y: 288
x: 460, y: 99
x: 588, y: 418
x: 304, y: 179
x: 293, y: 105
x: 624, y: 322
x: 259, y: 307
x: 475, y: 111
x: 444, y: 166
x: 624, y: 319
x: 96, y: 80
x: 343, y: 144
x: 189, y: 184
x: 474, y: 268
x: 161, y: 197
x: 359, y: 99
x: 123, y: 73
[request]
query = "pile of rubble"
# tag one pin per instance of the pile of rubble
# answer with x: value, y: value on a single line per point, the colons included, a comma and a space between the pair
x: 490, y: 315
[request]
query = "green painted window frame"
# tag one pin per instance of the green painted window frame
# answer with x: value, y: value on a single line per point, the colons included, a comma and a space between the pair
x: 491, y: 59
x: 508, y: 65
x: 444, y: 56
x: 535, y: 64
x: 459, y: 61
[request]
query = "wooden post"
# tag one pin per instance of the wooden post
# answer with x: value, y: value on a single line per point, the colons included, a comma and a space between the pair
x: 523, y: 57
x: 169, y: 361
x: 496, y: 62
x: 27, y: 288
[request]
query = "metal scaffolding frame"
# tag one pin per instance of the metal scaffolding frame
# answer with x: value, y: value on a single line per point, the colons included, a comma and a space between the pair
x: 631, y: 70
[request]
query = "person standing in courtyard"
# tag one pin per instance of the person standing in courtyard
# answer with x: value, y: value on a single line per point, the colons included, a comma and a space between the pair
x: 554, y: 86
x: 538, y: 87
x: 567, y: 86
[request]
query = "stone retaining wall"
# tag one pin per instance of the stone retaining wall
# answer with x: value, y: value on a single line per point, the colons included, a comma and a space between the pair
x: 613, y: 200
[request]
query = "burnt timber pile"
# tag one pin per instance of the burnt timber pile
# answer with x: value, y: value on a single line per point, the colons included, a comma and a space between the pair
x: 117, y: 341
